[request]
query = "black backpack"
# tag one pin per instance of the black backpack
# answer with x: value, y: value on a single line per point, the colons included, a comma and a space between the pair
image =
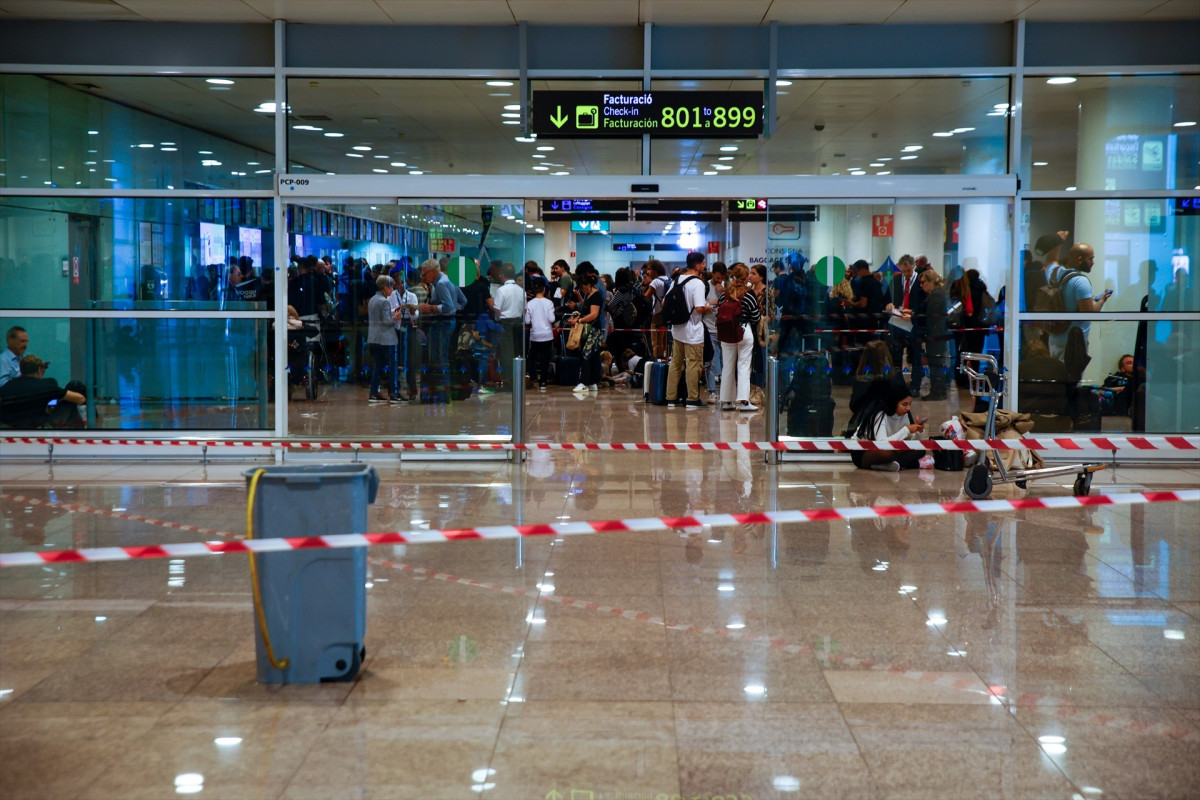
x: 1049, y: 300
x: 675, y: 309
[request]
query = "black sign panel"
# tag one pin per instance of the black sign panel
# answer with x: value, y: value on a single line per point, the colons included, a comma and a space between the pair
x: 632, y: 113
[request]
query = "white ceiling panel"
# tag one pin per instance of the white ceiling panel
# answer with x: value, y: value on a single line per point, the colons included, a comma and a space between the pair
x: 830, y: 12
x: 704, y: 12
x: 976, y: 11
x: 208, y: 11
x: 66, y: 9
x: 447, y: 12
x: 342, y: 12
x: 1089, y: 10
x: 576, y: 12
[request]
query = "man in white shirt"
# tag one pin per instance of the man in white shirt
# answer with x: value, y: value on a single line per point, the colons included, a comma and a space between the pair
x: 10, y: 361
x: 510, y: 309
x: 406, y: 301
x: 687, y: 347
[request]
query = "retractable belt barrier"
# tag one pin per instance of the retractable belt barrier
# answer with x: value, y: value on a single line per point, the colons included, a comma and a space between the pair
x: 497, y: 532
x: 1189, y: 444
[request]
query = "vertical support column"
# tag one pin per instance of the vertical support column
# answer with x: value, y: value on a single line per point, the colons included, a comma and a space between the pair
x: 523, y: 61
x: 772, y: 71
x: 518, y: 408
x: 772, y: 400
x: 281, y: 235
x: 1012, y: 306
x: 647, y: 45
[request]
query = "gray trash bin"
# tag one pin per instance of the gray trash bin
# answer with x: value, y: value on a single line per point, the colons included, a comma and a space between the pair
x: 314, y: 601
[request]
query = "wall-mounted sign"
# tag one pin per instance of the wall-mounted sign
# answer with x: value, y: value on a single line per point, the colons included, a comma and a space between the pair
x: 589, y: 225
x: 567, y: 204
x: 632, y: 113
x: 882, y: 225
x: 749, y: 204
x: 442, y: 245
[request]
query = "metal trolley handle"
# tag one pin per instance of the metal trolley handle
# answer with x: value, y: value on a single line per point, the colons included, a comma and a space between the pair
x: 977, y: 378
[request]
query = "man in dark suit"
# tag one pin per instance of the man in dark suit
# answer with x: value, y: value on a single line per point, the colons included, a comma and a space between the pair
x: 906, y: 300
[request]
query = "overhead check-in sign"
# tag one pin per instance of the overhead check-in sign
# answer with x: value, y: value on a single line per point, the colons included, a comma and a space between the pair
x: 633, y: 113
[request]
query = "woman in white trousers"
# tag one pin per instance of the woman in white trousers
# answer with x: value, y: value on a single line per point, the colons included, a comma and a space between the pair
x: 736, y: 356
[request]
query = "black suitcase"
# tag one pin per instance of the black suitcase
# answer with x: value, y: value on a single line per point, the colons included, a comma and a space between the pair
x: 566, y: 370
x: 812, y: 419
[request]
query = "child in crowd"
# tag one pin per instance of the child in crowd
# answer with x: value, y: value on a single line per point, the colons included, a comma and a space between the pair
x: 539, y: 313
x: 892, y: 421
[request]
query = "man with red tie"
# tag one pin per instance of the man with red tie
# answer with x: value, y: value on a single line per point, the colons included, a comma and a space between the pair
x: 907, y: 302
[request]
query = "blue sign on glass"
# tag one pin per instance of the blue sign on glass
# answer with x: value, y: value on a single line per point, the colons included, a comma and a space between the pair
x: 589, y: 225
x: 569, y: 204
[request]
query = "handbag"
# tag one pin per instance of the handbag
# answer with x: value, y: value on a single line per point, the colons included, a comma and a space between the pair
x: 575, y: 337
x: 592, y: 342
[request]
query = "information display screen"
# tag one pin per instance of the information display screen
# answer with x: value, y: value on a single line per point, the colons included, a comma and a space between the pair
x: 632, y: 113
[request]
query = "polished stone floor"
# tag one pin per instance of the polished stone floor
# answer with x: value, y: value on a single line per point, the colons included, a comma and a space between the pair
x: 1034, y: 654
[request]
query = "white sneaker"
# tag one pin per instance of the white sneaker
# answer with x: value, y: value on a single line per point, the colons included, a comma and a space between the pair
x: 890, y: 466
x: 580, y: 388
x: 748, y: 407
x: 727, y: 406
x: 593, y: 388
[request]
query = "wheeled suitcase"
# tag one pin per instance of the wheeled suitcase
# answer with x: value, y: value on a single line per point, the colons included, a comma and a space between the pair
x: 314, y: 601
x: 655, y: 383
x: 566, y: 370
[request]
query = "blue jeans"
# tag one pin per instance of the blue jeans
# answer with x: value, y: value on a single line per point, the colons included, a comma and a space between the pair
x: 439, y: 334
x: 714, y: 367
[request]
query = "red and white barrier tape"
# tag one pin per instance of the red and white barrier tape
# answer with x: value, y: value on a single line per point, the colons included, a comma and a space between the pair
x: 1039, y: 443
x: 86, y: 509
x: 496, y: 532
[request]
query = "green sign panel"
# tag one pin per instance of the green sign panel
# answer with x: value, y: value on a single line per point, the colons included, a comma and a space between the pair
x: 589, y: 225
x: 830, y: 270
x: 633, y: 113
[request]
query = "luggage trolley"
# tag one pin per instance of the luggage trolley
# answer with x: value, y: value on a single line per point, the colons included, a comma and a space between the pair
x: 979, y: 480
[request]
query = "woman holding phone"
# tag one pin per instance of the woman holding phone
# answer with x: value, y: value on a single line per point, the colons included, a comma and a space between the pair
x: 892, y: 421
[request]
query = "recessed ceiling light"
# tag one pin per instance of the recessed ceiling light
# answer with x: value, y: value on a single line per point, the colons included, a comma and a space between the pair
x: 710, y: 172
x: 907, y: 158
x: 399, y: 164
x: 354, y: 155
x: 545, y: 148
x: 511, y: 122
x: 721, y: 166
x: 884, y: 158
x: 1071, y: 188
x: 525, y: 139
x: 306, y: 128
x: 1040, y: 163
x: 726, y: 158
x: 783, y: 83
x: 362, y: 147
x: 540, y: 167
x: 943, y: 134
x: 380, y: 170
x: 513, y: 107
x: 877, y: 164
x: 333, y: 135
x: 1001, y: 106
x: 728, y: 148
x: 499, y: 94
x: 857, y: 172
x: 539, y: 155
x: 93, y: 133
x: 560, y: 173
x: 997, y: 113
x: 884, y: 172
x: 511, y: 115
x: 416, y: 172
x: 1061, y: 80
x: 911, y: 148
x: 219, y: 81
x: 499, y: 83
x: 169, y: 149
x: 963, y: 130
x: 1185, y: 124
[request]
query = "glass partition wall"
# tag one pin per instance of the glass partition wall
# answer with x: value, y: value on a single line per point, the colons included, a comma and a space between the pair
x: 142, y: 234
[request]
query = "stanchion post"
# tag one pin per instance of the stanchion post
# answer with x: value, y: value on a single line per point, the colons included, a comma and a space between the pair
x: 518, y: 407
x: 772, y: 400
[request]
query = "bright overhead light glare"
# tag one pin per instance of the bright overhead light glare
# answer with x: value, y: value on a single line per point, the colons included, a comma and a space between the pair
x: 884, y: 172
x: 499, y: 83
x: 884, y: 158
x: 1071, y: 188
x: 736, y: 626
x: 334, y: 135
x: 219, y: 81
x: 729, y: 148
x: 510, y: 122
x: 510, y: 115
x: 539, y: 155
x: 169, y: 149
x: 545, y: 148
x: 1041, y: 163
x: 996, y: 113
x: 943, y: 134
x: 1051, y: 739
x: 354, y: 155
x: 857, y: 172
x: 306, y: 128
x: 227, y: 741
x: 540, y: 167
x: 1001, y: 106
x: 380, y: 170
x: 513, y: 107
x: 908, y: 158
x: 1185, y: 124
x: 726, y: 158
x: 911, y: 148
x: 525, y: 139
x: 416, y: 172
x: 783, y: 83
x: 709, y: 172
x: 362, y: 147
x: 1173, y: 634
x: 399, y: 164
x: 97, y: 133
x: 755, y: 689
x: 876, y: 164
x: 1061, y: 80
x: 721, y: 166
x: 963, y: 130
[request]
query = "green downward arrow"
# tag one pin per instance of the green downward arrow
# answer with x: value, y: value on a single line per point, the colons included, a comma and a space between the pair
x: 559, y: 118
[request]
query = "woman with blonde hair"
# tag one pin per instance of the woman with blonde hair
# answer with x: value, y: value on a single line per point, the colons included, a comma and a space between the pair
x: 737, y: 323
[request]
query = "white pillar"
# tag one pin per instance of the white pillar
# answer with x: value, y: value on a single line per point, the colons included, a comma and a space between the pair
x: 560, y: 243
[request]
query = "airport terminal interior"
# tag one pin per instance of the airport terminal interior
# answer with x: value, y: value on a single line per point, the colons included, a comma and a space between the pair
x: 178, y: 176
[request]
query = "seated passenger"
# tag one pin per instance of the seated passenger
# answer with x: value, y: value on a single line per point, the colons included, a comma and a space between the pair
x: 892, y: 422
x: 25, y: 401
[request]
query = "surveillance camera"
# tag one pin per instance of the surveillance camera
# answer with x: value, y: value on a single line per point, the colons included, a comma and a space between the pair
x: 819, y: 126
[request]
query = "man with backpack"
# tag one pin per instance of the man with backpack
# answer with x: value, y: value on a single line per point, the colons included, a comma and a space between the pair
x: 1068, y: 289
x: 683, y: 309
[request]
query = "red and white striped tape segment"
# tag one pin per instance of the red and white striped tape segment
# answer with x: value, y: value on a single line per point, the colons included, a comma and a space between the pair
x: 496, y: 532
x: 1041, y: 443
